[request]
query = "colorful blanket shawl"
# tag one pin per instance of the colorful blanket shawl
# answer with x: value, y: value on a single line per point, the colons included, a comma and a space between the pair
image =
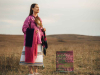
x: 44, y: 42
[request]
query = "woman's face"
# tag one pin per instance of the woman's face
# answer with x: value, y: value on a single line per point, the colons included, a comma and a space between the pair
x: 36, y: 9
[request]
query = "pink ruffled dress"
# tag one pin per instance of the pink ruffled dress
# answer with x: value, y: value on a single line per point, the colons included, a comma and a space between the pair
x: 39, y: 59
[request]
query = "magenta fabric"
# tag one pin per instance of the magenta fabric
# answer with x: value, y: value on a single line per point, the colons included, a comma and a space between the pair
x: 26, y: 25
x: 31, y: 52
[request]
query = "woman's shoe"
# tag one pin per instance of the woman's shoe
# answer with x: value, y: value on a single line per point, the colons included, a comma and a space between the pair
x: 37, y: 73
x: 31, y: 74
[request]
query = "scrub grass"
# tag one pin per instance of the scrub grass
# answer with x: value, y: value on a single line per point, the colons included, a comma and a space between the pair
x: 86, y: 50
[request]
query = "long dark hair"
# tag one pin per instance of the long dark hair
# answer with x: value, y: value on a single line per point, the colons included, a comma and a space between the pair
x: 37, y: 19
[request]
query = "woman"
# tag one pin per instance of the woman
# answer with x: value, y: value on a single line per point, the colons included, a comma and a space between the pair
x: 36, y: 23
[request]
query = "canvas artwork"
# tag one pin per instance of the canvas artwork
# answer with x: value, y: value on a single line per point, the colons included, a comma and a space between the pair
x: 64, y: 61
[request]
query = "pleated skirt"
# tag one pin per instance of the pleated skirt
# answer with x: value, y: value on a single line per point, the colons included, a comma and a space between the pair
x: 39, y: 59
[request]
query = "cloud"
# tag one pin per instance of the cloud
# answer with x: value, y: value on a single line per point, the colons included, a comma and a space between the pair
x: 63, y: 4
x: 60, y: 13
x: 98, y: 21
x: 11, y: 22
x: 52, y: 18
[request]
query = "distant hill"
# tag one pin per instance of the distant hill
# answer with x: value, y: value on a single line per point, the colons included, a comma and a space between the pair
x: 54, y: 38
x: 75, y: 37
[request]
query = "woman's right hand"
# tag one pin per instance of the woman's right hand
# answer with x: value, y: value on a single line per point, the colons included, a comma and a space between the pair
x: 36, y: 31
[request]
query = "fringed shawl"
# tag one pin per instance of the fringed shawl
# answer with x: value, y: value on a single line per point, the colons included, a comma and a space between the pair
x: 31, y: 52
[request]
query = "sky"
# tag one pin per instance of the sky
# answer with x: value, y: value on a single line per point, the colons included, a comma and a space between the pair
x: 58, y: 16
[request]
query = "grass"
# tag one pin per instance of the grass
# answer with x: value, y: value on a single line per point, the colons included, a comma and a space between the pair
x: 86, y: 50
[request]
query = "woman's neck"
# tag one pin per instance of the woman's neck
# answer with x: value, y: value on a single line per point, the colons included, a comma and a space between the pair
x: 35, y: 14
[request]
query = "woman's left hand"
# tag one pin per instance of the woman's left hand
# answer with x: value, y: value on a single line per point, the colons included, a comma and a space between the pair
x: 44, y: 29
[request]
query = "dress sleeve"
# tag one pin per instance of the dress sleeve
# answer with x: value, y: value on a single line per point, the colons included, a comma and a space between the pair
x: 26, y: 24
